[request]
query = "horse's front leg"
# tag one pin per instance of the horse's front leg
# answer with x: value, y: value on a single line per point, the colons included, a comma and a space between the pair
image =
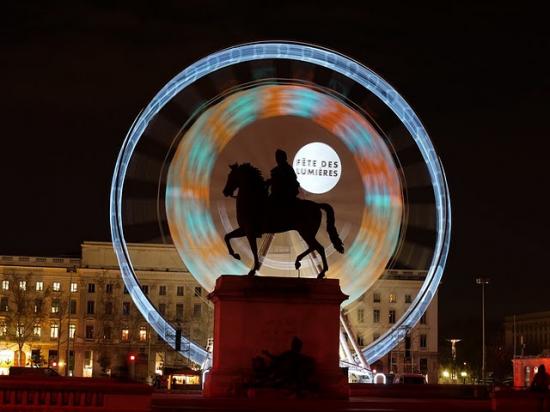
x: 231, y: 235
x: 254, y: 249
x: 297, y: 263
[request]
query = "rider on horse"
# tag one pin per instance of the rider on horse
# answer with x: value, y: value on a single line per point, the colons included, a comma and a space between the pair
x: 283, y: 182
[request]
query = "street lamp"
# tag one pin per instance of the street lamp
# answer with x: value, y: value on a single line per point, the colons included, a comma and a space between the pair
x: 482, y: 282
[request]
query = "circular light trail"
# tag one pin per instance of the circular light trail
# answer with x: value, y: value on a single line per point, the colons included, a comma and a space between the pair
x: 323, y: 58
x: 203, y: 249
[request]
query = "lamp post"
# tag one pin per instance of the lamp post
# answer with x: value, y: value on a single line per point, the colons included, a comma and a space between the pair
x: 482, y: 282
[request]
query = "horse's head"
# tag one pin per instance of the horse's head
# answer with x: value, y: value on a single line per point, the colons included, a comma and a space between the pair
x: 232, y: 180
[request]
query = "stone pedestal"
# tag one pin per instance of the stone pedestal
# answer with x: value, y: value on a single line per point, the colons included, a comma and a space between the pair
x: 253, y: 314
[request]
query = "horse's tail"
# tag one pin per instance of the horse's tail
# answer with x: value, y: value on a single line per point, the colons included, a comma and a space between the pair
x: 331, y: 228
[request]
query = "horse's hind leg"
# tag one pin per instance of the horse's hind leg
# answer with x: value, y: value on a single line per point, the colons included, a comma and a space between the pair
x: 321, y: 250
x: 239, y: 232
x: 297, y: 263
x: 254, y: 248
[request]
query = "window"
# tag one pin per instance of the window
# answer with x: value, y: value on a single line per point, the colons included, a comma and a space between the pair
x: 20, y: 331
x: 109, y: 308
x: 126, y: 308
x: 23, y: 284
x: 91, y: 287
x: 423, y: 366
x: 89, y: 331
x: 90, y: 307
x: 36, y: 331
x: 179, y: 291
x: 423, y: 341
x: 52, y: 356
x: 407, y: 347
x: 162, y: 290
x: 162, y: 308
x: 88, y: 359
x: 376, y: 316
x: 142, y: 333
x: 109, y: 288
x: 423, y: 319
x: 74, y: 287
x: 72, y: 330
x: 56, y: 286
x: 37, y: 305
x: 392, y: 298
x: 3, y: 329
x: 197, y: 310
x: 145, y: 289
x: 39, y: 286
x: 5, y: 285
x: 179, y: 311
x: 376, y: 297
x: 360, y: 315
x: 72, y: 307
x: 125, y: 334
x: 391, y: 317
x: 360, y: 340
x: 4, y: 307
x: 54, y: 330
x: 55, y: 305
x: 198, y: 291
x: 408, y: 298
x: 107, y: 332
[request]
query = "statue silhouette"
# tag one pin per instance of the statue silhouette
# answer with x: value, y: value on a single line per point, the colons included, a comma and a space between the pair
x: 282, y: 211
x: 288, y: 370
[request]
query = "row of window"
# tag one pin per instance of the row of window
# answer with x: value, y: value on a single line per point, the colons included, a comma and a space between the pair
x: 89, y: 333
x: 392, y: 298
x: 39, y: 286
x: 423, y: 340
x: 56, y: 287
x: 108, y: 307
x: 376, y: 316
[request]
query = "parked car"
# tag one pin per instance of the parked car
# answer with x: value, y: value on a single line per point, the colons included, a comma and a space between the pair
x: 22, y: 371
x: 410, y: 379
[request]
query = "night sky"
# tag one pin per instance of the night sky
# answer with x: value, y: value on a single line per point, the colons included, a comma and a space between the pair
x: 75, y: 75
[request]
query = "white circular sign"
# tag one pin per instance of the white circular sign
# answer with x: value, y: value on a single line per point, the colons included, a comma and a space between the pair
x: 317, y: 167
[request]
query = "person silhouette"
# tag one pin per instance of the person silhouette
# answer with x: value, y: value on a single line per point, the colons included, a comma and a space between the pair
x: 283, y: 182
x: 541, y: 380
x: 291, y: 369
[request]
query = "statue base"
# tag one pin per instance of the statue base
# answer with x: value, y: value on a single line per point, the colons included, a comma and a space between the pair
x: 257, y: 314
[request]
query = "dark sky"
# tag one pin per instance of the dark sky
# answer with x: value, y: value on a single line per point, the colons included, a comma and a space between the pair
x: 76, y: 73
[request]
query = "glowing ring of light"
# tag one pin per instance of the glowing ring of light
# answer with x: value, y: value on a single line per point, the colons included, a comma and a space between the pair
x: 335, y: 62
x: 203, y: 249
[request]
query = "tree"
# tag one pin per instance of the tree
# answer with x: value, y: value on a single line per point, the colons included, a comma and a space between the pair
x: 26, y: 310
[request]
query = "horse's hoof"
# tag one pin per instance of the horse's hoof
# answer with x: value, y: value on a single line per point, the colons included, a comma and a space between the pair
x: 236, y: 256
x: 321, y: 275
x: 297, y: 265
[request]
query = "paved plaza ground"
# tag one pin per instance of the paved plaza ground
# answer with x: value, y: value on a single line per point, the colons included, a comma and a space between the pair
x: 193, y: 402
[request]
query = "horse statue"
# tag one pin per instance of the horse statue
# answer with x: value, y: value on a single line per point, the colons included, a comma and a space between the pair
x: 256, y: 216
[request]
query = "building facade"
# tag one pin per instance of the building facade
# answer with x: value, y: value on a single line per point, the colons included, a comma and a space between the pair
x: 381, y: 307
x: 76, y: 315
x: 527, y: 334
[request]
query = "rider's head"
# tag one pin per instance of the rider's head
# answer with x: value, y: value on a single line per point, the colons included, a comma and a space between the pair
x: 296, y: 344
x: 280, y: 156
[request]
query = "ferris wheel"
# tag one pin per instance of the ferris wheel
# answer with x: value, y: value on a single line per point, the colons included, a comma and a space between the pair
x: 353, y: 141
